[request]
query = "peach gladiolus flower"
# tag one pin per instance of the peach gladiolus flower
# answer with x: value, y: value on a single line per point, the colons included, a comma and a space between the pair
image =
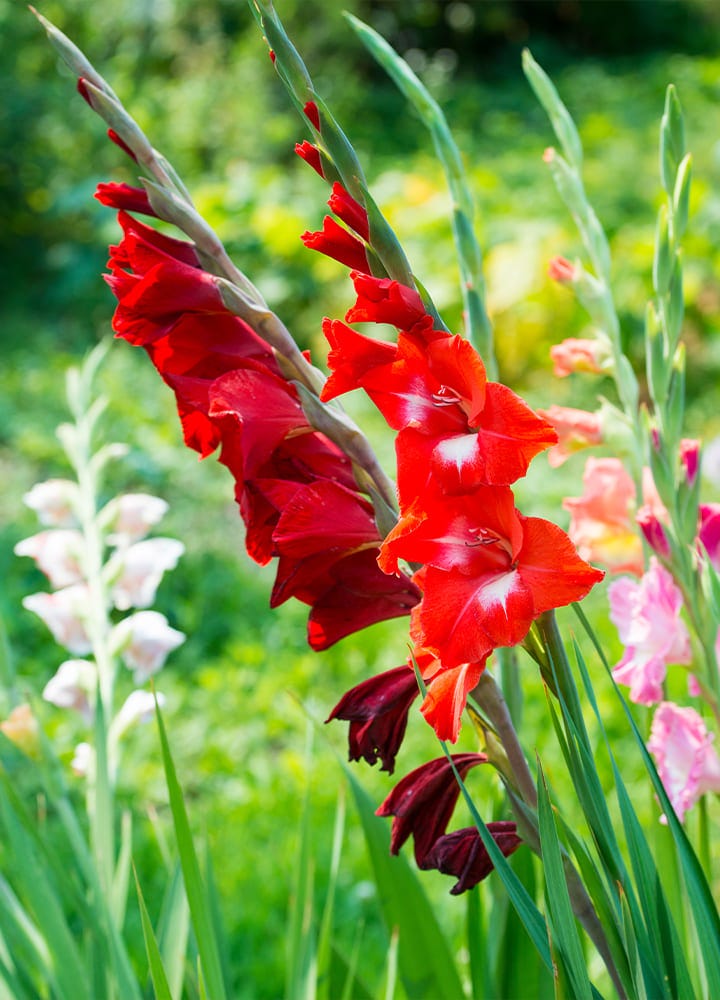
x: 579, y: 355
x: 576, y: 429
x: 601, y: 523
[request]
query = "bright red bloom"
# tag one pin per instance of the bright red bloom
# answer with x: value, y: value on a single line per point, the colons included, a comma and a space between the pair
x: 126, y: 197
x: 423, y: 802
x: 336, y: 242
x: 382, y: 300
x: 489, y: 571
x: 463, y: 854
x: 350, y: 211
x: 377, y: 711
x: 311, y: 154
x: 446, y: 698
x: 312, y: 114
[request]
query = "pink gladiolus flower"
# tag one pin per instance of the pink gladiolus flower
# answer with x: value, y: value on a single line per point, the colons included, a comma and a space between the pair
x: 647, y: 616
x: 129, y: 517
x: 54, y: 502
x: 64, y: 614
x: 143, y: 565
x: 686, y: 760
x: 709, y: 531
x: 83, y: 760
x: 138, y: 707
x: 579, y: 355
x: 58, y: 554
x: 600, y: 523
x: 144, y: 641
x: 576, y: 429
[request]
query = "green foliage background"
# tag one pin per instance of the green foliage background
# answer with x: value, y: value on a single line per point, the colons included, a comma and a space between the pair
x: 197, y: 77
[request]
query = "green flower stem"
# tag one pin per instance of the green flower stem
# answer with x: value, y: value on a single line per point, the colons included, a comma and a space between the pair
x: 490, y: 699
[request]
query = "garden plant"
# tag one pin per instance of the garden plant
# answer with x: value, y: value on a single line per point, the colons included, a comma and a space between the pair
x: 576, y: 835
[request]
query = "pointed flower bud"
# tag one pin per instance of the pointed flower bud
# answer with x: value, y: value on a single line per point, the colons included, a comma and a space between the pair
x: 690, y: 459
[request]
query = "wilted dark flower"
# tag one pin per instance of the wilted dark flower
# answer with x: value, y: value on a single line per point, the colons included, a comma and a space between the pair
x: 463, y: 854
x: 377, y: 711
x: 423, y: 802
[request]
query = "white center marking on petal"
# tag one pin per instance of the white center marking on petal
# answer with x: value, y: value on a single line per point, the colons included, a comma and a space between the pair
x: 457, y: 450
x: 497, y: 590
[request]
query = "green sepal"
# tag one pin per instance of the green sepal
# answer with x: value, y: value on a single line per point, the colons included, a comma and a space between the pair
x: 681, y: 196
x: 672, y: 139
x: 675, y: 309
x: 558, y: 114
x: 657, y: 363
x: 663, y: 257
x: 675, y: 411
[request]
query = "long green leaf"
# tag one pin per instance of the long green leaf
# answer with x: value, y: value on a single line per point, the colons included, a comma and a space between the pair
x: 200, y: 912
x: 157, y: 971
x: 426, y: 964
x: 173, y: 930
x: 565, y: 933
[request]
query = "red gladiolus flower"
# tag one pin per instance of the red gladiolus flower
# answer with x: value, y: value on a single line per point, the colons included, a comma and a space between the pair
x: 338, y: 243
x: 382, y: 300
x: 126, y: 197
x: 446, y: 697
x: 311, y: 154
x: 377, y: 711
x: 492, y: 571
x: 463, y: 854
x: 312, y: 114
x: 422, y: 803
x: 350, y: 211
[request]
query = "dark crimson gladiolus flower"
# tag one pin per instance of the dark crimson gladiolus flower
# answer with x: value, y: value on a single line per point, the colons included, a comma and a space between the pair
x: 463, y: 854
x: 422, y: 803
x: 377, y: 711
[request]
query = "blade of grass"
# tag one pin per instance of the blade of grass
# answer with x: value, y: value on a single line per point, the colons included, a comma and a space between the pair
x: 324, y: 947
x: 200, y: 913
x: 157, y: 971
x: 173, y: 930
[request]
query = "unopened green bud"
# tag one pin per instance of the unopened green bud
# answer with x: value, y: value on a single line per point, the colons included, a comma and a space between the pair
x: 558, y: 114
x: 676, y: 399
x: 663, y: 259
x: 675, y: 307
x: 657, y: 363
x: 681, y: 196
x: 672, y: 139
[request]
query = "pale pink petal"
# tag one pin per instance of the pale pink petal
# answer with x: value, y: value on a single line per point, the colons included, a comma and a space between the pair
x: 55, y: 502
x: 72, y: 686
x: 64, y: 613
x: 129, y: 517
x: 58, y: 554
x: 138, y: 707
x: 687, y: 762
x: 144, y: 640
x: 143, y: 566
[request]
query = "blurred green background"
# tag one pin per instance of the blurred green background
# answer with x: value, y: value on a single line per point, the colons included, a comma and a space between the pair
x: 197, y: 77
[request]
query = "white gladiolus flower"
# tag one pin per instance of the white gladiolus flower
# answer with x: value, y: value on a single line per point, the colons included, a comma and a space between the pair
x: 129, y: 517
x: 54, y: 502
x: 144, y: 640
x: 139, y: 707
x: 143, y: 565
x: 64, y: 614
x: 72, y: 685
x: 58, y: 553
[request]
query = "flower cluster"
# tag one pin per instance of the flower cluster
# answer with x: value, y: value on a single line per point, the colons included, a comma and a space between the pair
x: 295, y: 488
x: 75, y: 611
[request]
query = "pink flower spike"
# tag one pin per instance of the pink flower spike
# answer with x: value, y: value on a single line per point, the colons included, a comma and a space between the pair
x: 55, y: 502
x: 647, y: 617
x: 58, y: 554
x: 686, y: 760
x: 64, y: 614
x: 143, y: 641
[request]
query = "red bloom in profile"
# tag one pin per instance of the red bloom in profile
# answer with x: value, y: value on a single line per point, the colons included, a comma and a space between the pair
x: 352, y: 213
x: 422, y: 803
x: 377, y: 711
x: 311, y: 154
x: 382, y: 300
x: 463, y: 854
x: 336, y: 242
x: 126, y: 197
